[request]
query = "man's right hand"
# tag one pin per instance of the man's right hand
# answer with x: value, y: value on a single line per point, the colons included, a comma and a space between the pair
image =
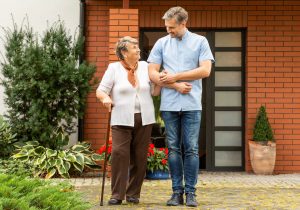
x: 183, y: 87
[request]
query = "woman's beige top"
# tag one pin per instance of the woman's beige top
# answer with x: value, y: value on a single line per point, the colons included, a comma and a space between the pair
x: 123, y: 94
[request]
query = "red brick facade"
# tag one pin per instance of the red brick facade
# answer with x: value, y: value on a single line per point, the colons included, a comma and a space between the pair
x: 272, y: 59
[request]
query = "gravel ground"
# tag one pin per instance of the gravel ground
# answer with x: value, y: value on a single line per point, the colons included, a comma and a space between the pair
x: 215, y: 190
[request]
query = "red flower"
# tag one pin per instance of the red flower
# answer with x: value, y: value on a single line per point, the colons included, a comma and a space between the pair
x: 164, y: 161
x: 151, y: 151
x: 102, y: 150
x: 166, y: 151
x: 157, y: 158
x: 109, y: 150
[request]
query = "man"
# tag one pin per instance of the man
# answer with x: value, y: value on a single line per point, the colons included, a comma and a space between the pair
x: 185, y: 59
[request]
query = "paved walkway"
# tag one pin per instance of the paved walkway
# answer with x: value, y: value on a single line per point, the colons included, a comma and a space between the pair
x: 215, y: 190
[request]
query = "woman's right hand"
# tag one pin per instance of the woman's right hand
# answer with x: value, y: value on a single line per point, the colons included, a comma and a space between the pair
x: 107, y: 102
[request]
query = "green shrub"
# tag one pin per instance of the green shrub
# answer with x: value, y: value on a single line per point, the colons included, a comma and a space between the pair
x: 16, y: 167
x: 21, y: 193
x: 49, y: 162
x: 45, y: 86
x: 6, y: 138
x: 262, y: 130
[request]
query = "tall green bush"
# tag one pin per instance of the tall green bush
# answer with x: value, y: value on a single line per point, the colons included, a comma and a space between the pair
x: 262, y: 130
x: 45, y: 86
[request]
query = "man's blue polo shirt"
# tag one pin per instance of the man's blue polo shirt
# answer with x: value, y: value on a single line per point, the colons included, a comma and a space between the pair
x: 178, y: 56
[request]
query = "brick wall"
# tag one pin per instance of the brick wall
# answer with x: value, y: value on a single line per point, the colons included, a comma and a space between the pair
x: 272, y: 62
x: 122, y: 22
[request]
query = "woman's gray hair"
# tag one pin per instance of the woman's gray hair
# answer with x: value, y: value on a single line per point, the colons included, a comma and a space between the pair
x: 179, y: 13
x: 121, y: 45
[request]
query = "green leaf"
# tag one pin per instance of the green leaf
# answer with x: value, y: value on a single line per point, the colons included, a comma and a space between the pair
x: 96, y: 157
x: 85, y: 145
x: 66, y: 175
x: 42, y: 158
x: 70, y: 157
x: 27, y: 147
x: 52, y: 162
x: 51, y: 153
x: 62, y: 154
x: 50, y: 173
x: 24, y: 159
x: 78, y: 166
x: 58, y: 161
x: 43, y: 165
x: 32, y: 143
x: 79, y: 158
x: 61, y: 169
x: 78, y: 148
x: 19, y: 155
x: 67, y: 166
x: 38, y: 173
x: 39, y: 150
x: 93, y: 166
x: 88, y: 160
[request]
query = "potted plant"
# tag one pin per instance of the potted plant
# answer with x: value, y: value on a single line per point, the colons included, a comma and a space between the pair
x: 157, y: 163
x: 262, y: 147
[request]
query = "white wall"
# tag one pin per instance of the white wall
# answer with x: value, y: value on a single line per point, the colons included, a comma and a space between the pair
x: 40, y: 14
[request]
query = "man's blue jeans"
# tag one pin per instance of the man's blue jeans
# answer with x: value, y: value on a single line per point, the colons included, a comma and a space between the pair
x: 182, y: 130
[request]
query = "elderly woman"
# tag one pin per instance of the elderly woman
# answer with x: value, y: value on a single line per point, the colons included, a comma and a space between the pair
x: 128, y: 84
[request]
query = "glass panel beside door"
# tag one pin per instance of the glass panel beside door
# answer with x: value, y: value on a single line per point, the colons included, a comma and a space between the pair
x: 228, y: 101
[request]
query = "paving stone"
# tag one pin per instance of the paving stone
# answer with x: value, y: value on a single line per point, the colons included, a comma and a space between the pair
x: 215, y: 190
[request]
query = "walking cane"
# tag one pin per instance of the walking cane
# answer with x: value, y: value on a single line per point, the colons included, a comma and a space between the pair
x: 105, y: 158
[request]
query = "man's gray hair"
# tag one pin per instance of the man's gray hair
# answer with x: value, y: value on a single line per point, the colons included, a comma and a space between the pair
x: 121, y: 45
x: 179, y: 13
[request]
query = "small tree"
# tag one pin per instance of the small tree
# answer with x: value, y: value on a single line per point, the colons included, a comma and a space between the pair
x: 45, y: 85
x: 262, y: 130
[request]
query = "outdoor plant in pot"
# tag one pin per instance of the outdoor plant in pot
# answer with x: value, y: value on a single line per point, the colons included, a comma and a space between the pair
x: 157, y: 163
x: 262, y: 147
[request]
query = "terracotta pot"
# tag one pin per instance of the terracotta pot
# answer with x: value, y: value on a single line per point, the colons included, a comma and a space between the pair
x: 262, y: 157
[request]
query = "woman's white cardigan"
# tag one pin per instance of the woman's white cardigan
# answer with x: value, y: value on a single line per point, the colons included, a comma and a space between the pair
x: 123, y: 94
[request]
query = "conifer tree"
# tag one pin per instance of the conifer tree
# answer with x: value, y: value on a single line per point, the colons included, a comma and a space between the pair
x: 45, y: 86
x: 262, y: 129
